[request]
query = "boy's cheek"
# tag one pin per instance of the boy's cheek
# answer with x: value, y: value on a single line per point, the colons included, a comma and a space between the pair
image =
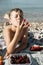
x: 15, y: 23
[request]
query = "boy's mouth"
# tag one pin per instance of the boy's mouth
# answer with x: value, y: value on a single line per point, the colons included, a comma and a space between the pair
x: 18, y: 20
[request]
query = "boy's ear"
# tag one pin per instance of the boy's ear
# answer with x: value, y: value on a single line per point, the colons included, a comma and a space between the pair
x: 6, y: 16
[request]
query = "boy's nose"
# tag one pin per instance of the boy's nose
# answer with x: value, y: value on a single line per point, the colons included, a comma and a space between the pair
x: 18, y: 16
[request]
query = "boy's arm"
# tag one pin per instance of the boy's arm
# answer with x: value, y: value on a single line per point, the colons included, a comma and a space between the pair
x: 11, y: 44
x: 24, y: 42
x: 6, y: 35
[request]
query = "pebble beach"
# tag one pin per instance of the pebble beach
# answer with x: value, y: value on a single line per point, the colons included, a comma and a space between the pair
x: 35, y: 33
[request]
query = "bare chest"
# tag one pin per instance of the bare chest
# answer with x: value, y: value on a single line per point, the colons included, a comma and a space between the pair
x: 13, y: 33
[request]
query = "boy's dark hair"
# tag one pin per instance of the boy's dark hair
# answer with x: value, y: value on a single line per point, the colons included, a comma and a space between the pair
x: 16, y: 9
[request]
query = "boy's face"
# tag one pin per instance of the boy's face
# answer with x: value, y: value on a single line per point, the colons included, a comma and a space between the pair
x: 15, y: 18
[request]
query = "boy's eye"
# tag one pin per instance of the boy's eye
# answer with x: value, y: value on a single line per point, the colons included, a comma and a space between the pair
x: 17, y: 16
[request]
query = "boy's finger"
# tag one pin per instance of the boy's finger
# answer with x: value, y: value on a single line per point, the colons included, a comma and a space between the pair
x: 6, y: 56
x: 25, y: 26
x: 22, y: 24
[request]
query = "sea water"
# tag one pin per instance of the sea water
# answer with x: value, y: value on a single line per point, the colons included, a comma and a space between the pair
x: 33, y: 14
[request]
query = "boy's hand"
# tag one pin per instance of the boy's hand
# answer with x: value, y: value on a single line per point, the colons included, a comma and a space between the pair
x: 26, y: 24
x: 20, y: 26
x: 6, y: 55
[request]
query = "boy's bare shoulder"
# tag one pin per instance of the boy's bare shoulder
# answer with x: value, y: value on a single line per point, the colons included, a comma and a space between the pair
x: 7, y: 28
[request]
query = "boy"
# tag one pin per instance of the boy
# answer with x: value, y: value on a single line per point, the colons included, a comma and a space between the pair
x: 15, y: 32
